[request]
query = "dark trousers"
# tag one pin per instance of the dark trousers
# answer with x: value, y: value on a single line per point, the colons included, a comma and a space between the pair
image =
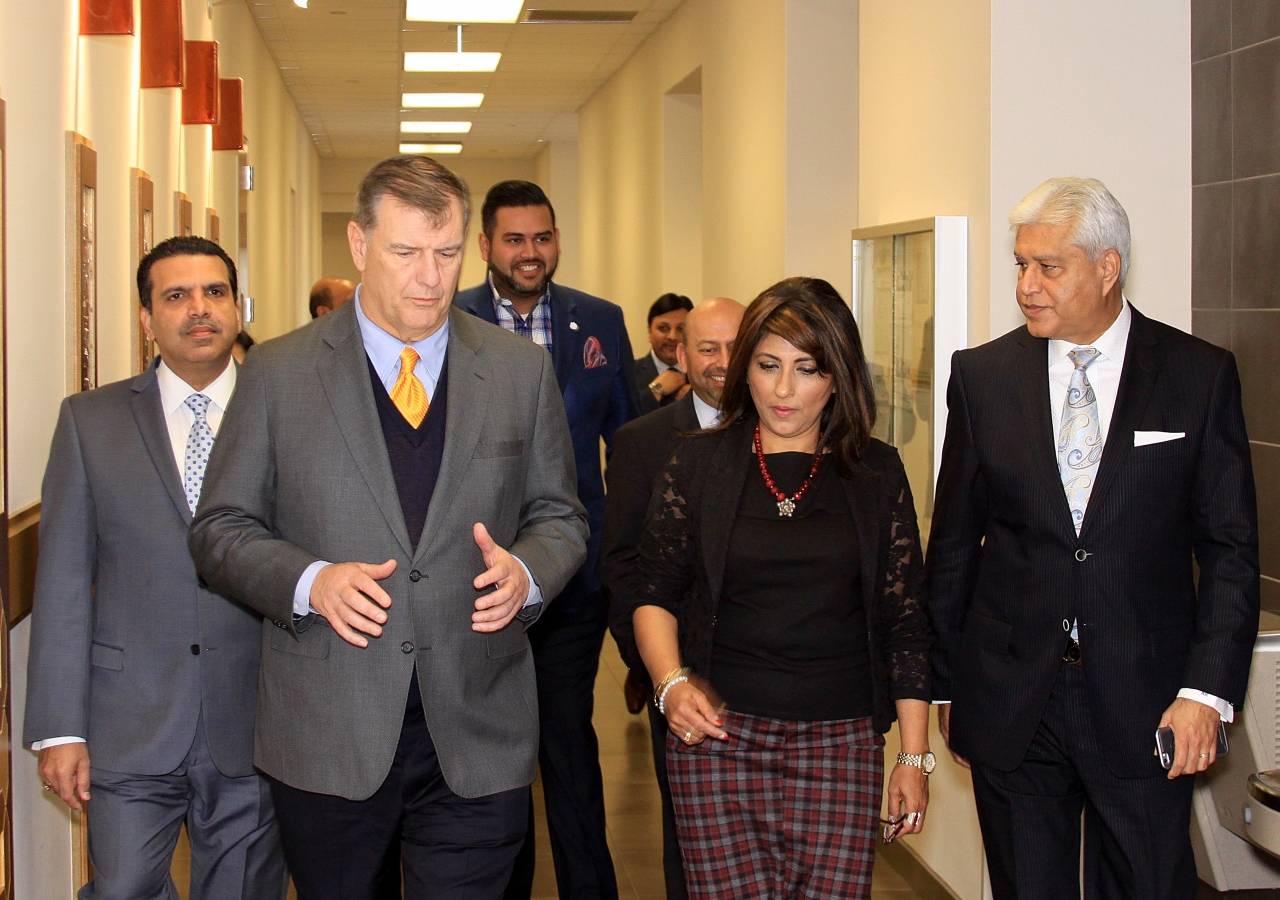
x: 450, y: 846
x: 134, y: 822
x: 566, y: 643
x: 1137, y: 843
x: 672, y: 865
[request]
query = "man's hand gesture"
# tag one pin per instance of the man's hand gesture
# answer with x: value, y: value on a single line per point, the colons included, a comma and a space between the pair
x: 495, y: 610
x: 65, y: 771
x: 349, y: 597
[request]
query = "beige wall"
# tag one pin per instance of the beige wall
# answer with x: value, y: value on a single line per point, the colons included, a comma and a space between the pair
x: 54, y: 81
x: 739, y: 46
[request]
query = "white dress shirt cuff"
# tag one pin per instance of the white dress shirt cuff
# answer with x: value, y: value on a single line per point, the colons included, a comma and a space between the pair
x: 55, y: 742
x: 941, y: 702
x: 1225, y: 709
x: 302, y: 593
x: 535, y: 592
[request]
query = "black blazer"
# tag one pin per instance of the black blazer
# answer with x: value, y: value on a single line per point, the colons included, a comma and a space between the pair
x: 645, y: 372
x: 641, y: 449
x: 686, y: 538
x: 1006, y: 568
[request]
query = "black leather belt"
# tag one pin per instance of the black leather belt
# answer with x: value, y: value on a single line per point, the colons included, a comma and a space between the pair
x: 1071, y: 655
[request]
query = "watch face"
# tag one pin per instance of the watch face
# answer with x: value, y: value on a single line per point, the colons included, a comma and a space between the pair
x: 929, y: 761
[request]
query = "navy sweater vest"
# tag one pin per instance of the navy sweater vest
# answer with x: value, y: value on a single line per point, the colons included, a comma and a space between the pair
x: 415, y: 453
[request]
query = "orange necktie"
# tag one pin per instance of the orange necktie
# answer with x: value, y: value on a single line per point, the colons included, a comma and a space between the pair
x: 408, y: 394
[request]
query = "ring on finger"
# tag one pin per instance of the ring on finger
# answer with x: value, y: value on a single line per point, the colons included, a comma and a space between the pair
x: 688, y: 736
x: 1204, y: 755
x: 914, y: 818
x: 47, y: 786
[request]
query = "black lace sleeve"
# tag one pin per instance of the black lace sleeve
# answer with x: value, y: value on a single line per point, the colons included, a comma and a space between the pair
x: 665, y: 570
x: 904, y: 619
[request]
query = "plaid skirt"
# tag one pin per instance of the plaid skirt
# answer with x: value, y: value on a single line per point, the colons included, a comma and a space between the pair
x: 779, y: 810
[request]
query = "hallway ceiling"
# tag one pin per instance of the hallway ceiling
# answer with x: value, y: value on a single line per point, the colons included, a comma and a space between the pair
x: 343, y: 63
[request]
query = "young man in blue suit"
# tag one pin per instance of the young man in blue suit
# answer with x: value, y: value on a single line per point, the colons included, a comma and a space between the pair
x: 588, y: 343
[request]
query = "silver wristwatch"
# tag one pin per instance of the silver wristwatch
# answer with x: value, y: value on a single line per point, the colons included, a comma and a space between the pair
x: 655, y: 387
x: 924, y: 763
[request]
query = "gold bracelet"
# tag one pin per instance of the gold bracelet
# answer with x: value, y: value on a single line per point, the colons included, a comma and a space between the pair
x: 666, y: 680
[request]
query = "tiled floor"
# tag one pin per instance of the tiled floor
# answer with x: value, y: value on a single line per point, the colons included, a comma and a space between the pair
x: 631, y: 805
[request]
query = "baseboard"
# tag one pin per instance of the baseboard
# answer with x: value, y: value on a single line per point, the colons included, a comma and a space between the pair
x: 915, y: 872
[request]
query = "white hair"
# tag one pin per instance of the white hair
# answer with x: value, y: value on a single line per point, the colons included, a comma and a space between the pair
x: 1098, y: 221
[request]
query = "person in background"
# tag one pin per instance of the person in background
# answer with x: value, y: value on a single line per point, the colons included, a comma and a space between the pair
x: 244, y: 343
x: 1093, y: 566
x: 587, y: 339
x: 779, y: 610
x: 328, y: 294
x: 400, y: 524
x: 659, y: 378
x: 141, y: 682
x: 640, y: 451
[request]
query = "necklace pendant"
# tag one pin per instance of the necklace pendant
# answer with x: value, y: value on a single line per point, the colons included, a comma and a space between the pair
x: 786, y: 507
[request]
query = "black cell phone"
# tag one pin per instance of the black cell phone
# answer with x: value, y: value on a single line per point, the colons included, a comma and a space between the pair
x: 1165, y: 747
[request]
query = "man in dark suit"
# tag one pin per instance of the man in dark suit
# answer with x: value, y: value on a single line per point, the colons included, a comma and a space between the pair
x: 641, y: 450
x: 588, y: 343
x: 1092, y: 459
x: 141, y: 682
x: 393, y: 490
x: 659, y: 380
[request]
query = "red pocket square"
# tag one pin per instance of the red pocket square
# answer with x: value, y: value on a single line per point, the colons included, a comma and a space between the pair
x: 592, y: 354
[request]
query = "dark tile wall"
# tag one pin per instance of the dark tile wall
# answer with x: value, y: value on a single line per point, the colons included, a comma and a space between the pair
x: 1235, y: 269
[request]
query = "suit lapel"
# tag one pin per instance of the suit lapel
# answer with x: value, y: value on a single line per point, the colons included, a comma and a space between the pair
x: 343, y: 371
x: 1142, y: 362
x: 1032, y: 380
x: 468, y: 405
x: 685, y: 416
x: 721, y: 495
x: 149, y: 415
x: 479, y: 302
x: 566, y: 336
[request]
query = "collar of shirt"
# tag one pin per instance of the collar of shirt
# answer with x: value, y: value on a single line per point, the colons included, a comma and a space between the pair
x: 178, y: 417
x: 1104, y: 373
x: 708, y: 415
x: 384, y: 351
x: 662, y: 367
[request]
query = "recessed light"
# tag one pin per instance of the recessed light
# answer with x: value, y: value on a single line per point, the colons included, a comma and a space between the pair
x: 462, y: 10
x: 435, y: 127
x: 431, y: 148
x: 441, y: 101
x: 451, y: 62
x: 300, y: 3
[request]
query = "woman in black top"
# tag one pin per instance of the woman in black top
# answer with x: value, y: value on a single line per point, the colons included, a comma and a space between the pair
x: 778, y: 609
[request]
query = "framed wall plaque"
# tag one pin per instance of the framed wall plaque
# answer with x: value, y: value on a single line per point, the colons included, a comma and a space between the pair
x: 182, y: 214
x: 143, y: 238
x: 82, y: 260
x: 212, y: 226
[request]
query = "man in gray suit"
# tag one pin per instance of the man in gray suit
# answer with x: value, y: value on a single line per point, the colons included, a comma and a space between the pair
x: 394, y: 490
x: 141, y: 682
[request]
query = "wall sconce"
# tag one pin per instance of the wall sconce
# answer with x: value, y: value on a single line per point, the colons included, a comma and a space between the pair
x: 163, y: 53
x: 228, y: 134
x: 200, y: 92
x: 106, y: 16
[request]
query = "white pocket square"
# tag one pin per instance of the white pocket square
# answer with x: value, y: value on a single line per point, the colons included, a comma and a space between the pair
x: 1142, y: 438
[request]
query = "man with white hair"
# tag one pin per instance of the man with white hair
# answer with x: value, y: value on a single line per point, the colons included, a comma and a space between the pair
x: 1093, y: 457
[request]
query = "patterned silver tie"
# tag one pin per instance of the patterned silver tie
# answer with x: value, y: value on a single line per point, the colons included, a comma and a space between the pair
x: 199, y: 443
x: 1079, y: 436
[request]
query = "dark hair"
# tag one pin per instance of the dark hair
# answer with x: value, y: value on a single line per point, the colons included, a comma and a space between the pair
x: 244, y: 339
x: 186, y: 245
x: 418, y: 181
x: 668, y: 303
x: 809, y: 314
x: 512, y: 193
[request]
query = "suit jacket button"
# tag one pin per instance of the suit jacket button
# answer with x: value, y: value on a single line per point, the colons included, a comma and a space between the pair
x: 406, y: 647
x: 415, y: 576
x: 1081, y: 556
x: 204, y: 585
x: 195, y: 649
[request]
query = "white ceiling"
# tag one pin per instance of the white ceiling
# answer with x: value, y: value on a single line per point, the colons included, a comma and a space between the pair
x: 343, y: 63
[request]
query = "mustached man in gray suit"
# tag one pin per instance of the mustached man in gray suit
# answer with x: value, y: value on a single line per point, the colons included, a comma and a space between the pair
x: 141, y: 682
x: 394, y: 489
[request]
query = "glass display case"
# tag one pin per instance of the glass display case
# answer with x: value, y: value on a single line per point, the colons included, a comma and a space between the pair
x: 910, y: 297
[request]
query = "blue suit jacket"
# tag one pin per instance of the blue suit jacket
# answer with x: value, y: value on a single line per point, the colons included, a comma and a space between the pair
x: 598, y: 396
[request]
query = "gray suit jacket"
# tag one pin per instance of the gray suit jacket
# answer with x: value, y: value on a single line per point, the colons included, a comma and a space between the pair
x: 300, y: 473
x: 118, y: 606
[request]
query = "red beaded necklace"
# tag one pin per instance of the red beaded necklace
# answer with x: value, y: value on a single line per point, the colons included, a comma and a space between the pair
x: 786, y: 505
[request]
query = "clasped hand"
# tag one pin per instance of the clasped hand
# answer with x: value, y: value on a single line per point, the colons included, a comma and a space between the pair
x: 349, y: 597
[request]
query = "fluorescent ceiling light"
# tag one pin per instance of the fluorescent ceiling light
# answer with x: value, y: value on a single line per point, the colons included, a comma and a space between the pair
x: 301, y: 3
x: 431, y: 148
x: 441, y: 101
x: 435, y: 127
x: 464, y: 11
x: 451, y: 62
